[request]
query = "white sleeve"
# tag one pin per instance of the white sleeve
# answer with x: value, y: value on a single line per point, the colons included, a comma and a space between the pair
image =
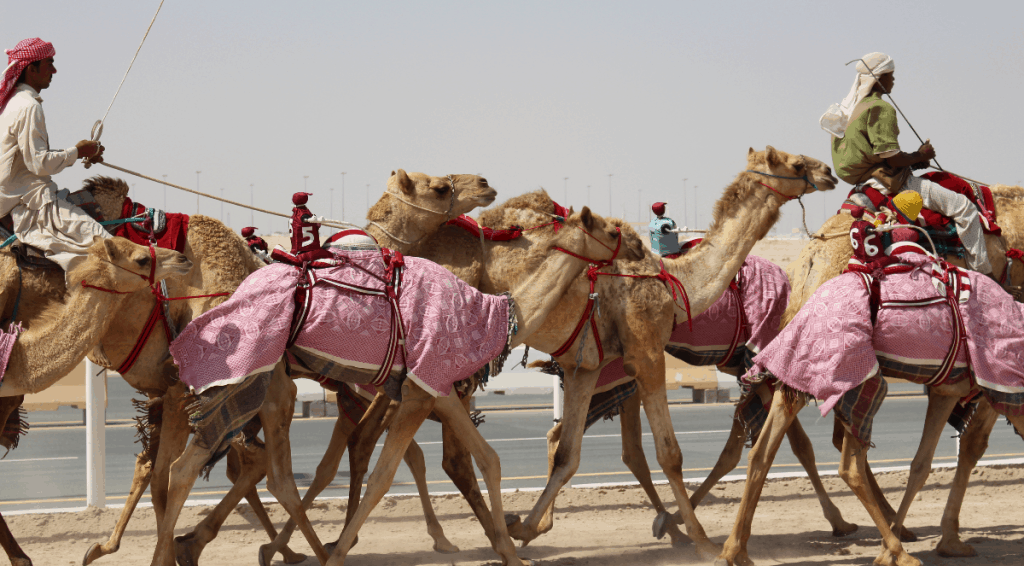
x: 35, y: 146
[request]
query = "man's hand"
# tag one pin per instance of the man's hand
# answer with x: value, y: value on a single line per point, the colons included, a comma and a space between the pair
x: 90, y: 149
x: 926, y: 151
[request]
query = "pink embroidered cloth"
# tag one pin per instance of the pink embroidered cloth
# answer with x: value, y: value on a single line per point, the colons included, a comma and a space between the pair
x: 830, y: 346
x: 451, y: 328
x: 763, y: 294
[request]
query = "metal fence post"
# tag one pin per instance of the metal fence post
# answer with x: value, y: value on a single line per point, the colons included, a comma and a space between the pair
x: 556, y: 398
x: 95, y: 435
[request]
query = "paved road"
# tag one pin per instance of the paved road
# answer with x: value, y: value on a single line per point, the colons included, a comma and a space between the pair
x: 48, y: 470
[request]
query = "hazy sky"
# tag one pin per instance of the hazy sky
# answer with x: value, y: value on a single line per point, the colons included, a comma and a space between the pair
x: 526, y: 93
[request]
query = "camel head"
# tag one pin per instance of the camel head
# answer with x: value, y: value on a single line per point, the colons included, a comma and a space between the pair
x: 808, y: 173
x: 447, y: 198
x: 119, y: 265
x: 109, y: 194
x: 598, y: 237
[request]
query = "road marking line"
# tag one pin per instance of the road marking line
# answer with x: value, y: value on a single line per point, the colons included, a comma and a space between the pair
x: 38, y: 459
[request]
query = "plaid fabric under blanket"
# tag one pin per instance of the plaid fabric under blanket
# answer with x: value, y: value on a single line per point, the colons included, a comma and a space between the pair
x: 947, y: 241
x: 352, y: 404
x: 220, y: 413
x: 606, y: 405
x: 857, y: 407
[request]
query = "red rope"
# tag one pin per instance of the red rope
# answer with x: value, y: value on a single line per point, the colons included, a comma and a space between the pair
x: 787, y: 197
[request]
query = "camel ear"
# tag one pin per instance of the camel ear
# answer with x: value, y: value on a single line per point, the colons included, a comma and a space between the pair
x: 749, y: 153
x: 111, y: 251
x: 771, y: 156
x: 392, y: 173
x: 588, y: 218
x: 404, y: 183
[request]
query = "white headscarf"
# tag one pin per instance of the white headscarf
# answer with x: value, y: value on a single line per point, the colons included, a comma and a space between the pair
x: 836, y: 119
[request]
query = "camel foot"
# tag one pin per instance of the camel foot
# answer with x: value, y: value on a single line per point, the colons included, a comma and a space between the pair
x: 740, y: 559
x: 661, y: 523
x: 516, y: 530
x: 842, y: 528
x: 708, y: 551
x: 95, y: 551
x: 292, y: 557
x: 955, y: 548
x: 886, y: 558
x: 186, y: 551
x: 329, y: 547
x: 443, y: 546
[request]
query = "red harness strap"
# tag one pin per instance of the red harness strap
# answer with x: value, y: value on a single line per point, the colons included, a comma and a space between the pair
x: 738, y: 334
x: 157, y: 314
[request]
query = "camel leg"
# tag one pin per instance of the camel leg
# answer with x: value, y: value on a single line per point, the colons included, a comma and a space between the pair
x: 325, y: 474
x: 457, y: 462
x: 853, y: 470
x: 416, y: 405
x: 670, y: 457
x: 905, y: 535
x: 182, y: 476
x: 939, y: 409
x: 727, y: 461
x: 454, y: 415
x: 634, y: 459
x: 418, y: 467
x: 276, y: 416
x: 578, y: 390
x: 140, y: 481
x: 246, y: 466
x: 174, y: 431
x: 14, y: 552
x: 547, y: 520
x: 360, y: 449
x: 804, y: 451
x: 759, y: 462
x: 973, y: 444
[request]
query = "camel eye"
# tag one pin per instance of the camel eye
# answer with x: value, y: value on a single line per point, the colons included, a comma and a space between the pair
x: 441, y: 191
x: 142, y: 261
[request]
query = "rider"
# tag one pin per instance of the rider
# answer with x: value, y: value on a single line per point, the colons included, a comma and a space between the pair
x: 865, y: 151
x: 664, y: 232
x: 257, y: 244
x: 41, y: 219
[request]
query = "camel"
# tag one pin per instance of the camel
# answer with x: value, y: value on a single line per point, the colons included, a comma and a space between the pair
x: 533, y: 300
x: 824, y: 258
x: 409, y: 194
x: 63, y: 333
x: 763, y: 293
x: 997, y: 380
x: 747, y: 210
x: 220, y: 259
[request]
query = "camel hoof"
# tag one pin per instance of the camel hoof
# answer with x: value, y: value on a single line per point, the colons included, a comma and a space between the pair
x: 661, y: 523
x: 886, y: 558
x: 739, y: 560
x: 329, y: 547
x: 843, y: 529
x: 708, y: 551
x: 514, y: 524
x: 266, y: 555
x: 444, y: 546
x: 292, y: 557
x: 955, y: 549
x: 94, y: 552
x: 185, y: 551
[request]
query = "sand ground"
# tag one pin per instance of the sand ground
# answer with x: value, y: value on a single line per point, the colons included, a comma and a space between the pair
x: 593, y: 527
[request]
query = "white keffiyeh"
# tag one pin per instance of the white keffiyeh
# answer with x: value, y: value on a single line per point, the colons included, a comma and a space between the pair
x: 836, y: 119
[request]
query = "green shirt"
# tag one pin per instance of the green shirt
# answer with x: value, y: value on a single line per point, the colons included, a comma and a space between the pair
x: 872, y: 130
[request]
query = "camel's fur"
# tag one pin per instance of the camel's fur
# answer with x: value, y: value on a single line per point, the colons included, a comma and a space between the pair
x: 819, y: 261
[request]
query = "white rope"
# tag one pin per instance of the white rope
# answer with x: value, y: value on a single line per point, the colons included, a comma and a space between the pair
x: 342, y: 225
x: 394, y: 237
x: 97, y: 128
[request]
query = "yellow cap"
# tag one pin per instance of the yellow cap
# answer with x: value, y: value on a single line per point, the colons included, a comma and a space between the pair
x: 909, y: 203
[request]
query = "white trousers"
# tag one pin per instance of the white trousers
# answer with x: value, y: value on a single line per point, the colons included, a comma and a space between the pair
x: 961, y: 210
x: 60, y: 229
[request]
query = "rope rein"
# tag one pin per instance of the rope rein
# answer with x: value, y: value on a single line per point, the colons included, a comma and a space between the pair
x: 97, y: 128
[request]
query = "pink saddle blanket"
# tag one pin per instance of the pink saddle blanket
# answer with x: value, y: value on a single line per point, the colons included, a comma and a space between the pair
x: 451, y: 329
x: 830, y: 347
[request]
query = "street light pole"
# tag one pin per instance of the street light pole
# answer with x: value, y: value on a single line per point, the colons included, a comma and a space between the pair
x: 684, y: 202
x: 610, y: 194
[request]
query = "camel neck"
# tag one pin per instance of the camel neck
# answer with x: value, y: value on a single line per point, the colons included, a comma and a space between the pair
x: 45, y: 354
x: 743, y: 216
x: 399, y: 231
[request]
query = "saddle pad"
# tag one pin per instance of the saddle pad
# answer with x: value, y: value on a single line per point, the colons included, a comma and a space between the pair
x: 170, y: 234
x: 830, y: 348
x: 451, y: 328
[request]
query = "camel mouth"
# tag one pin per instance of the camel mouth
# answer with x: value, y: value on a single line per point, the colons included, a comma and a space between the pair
x: 485, y: 199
